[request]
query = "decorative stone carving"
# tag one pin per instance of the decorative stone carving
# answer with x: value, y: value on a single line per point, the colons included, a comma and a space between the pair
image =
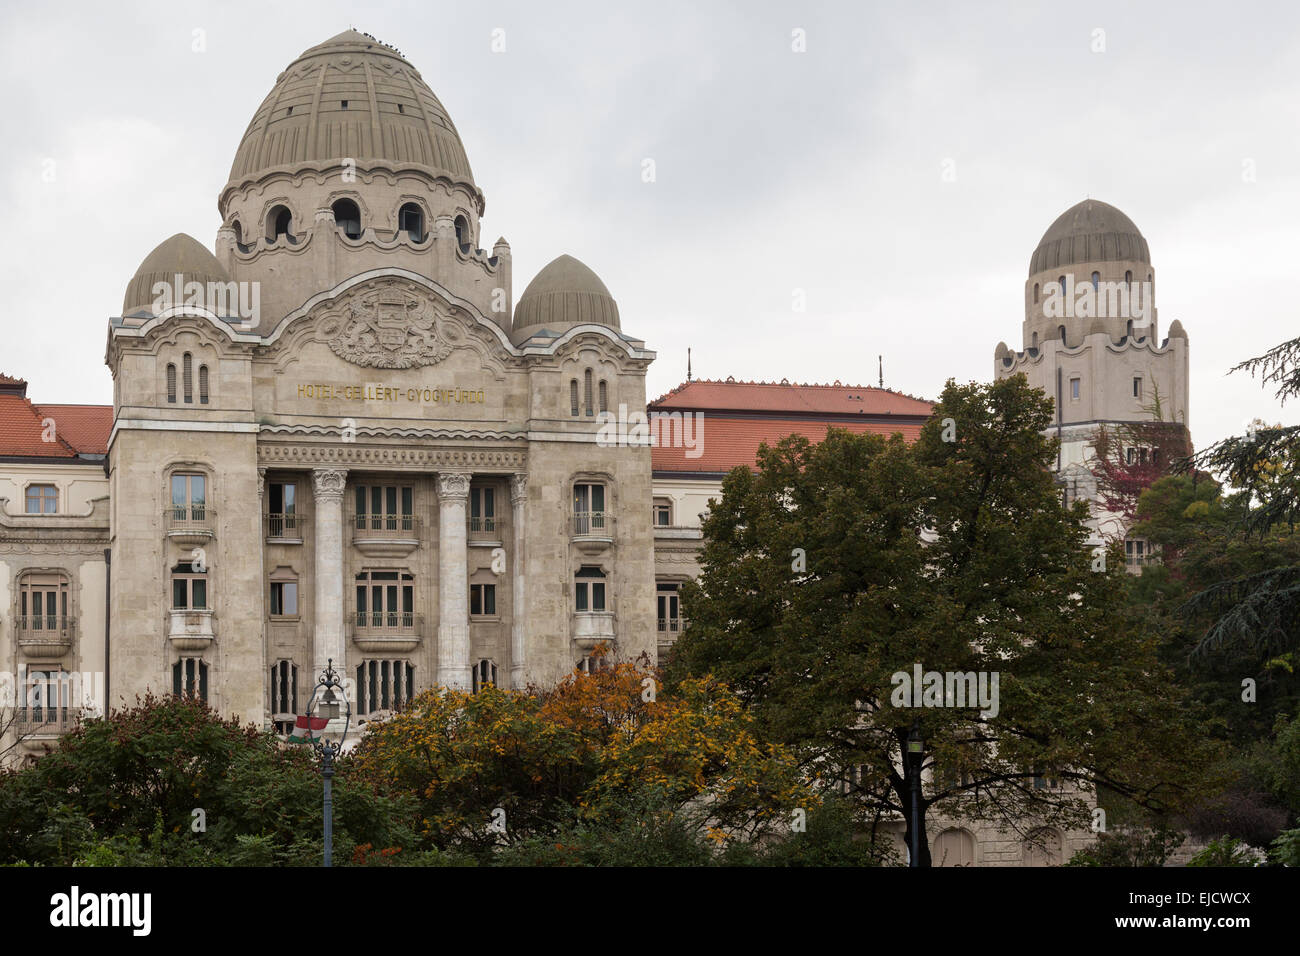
x: 421, y: 459
x: 394, y: 325
x: 329, y: 483
x: 518, y: 487
x: 453, y: 485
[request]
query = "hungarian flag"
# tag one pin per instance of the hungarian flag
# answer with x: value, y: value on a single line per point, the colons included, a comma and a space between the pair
x: 307, y: 729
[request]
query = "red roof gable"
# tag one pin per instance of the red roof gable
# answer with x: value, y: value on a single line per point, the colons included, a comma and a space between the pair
x: 78, y: 429
x: 834, y: 399
x: 22, y: 431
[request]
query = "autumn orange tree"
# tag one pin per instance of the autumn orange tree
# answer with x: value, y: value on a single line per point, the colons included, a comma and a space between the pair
x: 499, y: 767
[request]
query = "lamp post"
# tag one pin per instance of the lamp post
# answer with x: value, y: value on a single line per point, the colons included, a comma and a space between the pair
x: 328, y: 750
x: 915, y: 757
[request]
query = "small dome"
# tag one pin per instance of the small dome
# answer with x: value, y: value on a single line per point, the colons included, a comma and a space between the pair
x: 1176, y: 330
x: 350, y: 97
x: 564, y: 294
x: 181, y: 254
x: 1091, y: 231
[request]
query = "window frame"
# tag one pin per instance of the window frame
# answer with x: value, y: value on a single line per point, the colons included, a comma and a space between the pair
x: 42, y: 498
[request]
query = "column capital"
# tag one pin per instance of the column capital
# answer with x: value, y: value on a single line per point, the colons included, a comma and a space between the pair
x: 261, y: 483
x: 453, y: 486
x: 518, y: 487
x: 329, y: 483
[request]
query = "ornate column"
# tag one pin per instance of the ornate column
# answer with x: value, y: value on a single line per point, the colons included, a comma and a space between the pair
x: 453, y: 583
x: 519, y: 599
x: 327, y: 640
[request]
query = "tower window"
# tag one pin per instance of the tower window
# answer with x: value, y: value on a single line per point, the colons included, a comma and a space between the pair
x: 279, y: 222
x: 464, y: 236
x: 604, y: 396
x: 347, y: 216
x: 1060, y: 330
x: 1061, y: 283
x: 1137, y: 386
x: 1035, y: 291
x: 171, y: 382
x: 401, y: 108
x: 1096, y: 280
x: 289, y: 112
x: 1074, y: 389
x: 203, y: 385
x: 1128, y: 277
x: 344, y: 103
x: 188, y: 374
x: 410, y: 220
x: 573, y: 397
x: 586, y: 392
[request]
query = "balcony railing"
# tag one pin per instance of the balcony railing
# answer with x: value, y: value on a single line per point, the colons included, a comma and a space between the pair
x: 670, y: 625
x: 484, y: 527
x: 46, y: 626
x: 387, y: 622
x: 598, y: 524
x: 280, y: 525
x: 385, y: 525
x: 193, y: 520
x: 44, y: 720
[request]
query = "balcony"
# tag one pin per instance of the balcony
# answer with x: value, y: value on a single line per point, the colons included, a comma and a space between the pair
x: 193, y: 525
x: 484, y: 532
x: 190, y: 629
x: 45, y: 635
x: 40, y: 727
x: 284, y: 528
x: 670, y: 626
x: 590, y: 628
x: 386, y: 632
x: 385, y: 535
x: 593, y: 531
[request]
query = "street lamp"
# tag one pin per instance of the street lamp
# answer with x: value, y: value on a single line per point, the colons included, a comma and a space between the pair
x: 327, y: 750
x: 915, y: 757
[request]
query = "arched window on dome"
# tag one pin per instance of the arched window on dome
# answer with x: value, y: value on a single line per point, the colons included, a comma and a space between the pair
x: 1061, y: 284
x: 1128, y: 329
x: 347, y: 216
x: 1035, y: 292
x: 586, y: 392
x: 464, y: 235
x: 187, y: 377
x: 604, y: 396
x: 203, y: 385
x: 279, y: 222
x: 573, y: 397
x: 1128, y: 277
x: 410, y: 220
x: 1034, y: 343
x: 1060, y: 330
x: 1096, y: 280
x: 171, y: 382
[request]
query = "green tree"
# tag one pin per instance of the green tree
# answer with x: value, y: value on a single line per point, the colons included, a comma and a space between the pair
x: 840, y: 565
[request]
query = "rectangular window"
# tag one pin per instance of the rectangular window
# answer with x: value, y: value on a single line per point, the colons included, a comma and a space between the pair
x: 1137, y: 387
x: 42, y: 500
x: 190, y: 678
x: 669, y: 609
x: 385, y: 508
x: 384, y: 685
x: 1074, y: 389
x: 662, y: 512
x: 189, y: 588
x: 482, y: 600
x: 1135, y: 552
x: 589, y: 590
x: 284, y: 598
x: 485, y: 672
x: 189, y: 497
x: 482, y: 509
x: 385, y: 600
x: 282, y: 505
x: 589, y: 509
x: 284, y: 696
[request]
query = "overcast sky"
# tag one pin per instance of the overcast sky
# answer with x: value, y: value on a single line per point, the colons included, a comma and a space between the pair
x: 775, y: 170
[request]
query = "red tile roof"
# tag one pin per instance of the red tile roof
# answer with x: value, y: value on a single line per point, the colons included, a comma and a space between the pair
x: 737, y: 417
x: 78, y: 429
x: 85, y: 427
x: 833, y: 399
x: 723, y: 443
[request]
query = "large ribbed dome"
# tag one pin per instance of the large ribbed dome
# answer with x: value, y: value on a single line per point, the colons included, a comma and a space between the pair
x: 180, y: 255
x: 564, y: 294
x: 1092, y: 231
x: 350, y: 97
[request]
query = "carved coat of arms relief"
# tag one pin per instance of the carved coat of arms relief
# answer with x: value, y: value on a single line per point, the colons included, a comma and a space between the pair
x: 395, y: 325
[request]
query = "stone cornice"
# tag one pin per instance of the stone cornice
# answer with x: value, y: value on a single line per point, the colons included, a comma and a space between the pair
x: 369, y: 456
x: 434, y: 434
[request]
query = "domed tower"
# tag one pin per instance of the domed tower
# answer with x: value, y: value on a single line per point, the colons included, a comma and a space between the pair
x: 1090, y: 337
x: 352, y: 164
